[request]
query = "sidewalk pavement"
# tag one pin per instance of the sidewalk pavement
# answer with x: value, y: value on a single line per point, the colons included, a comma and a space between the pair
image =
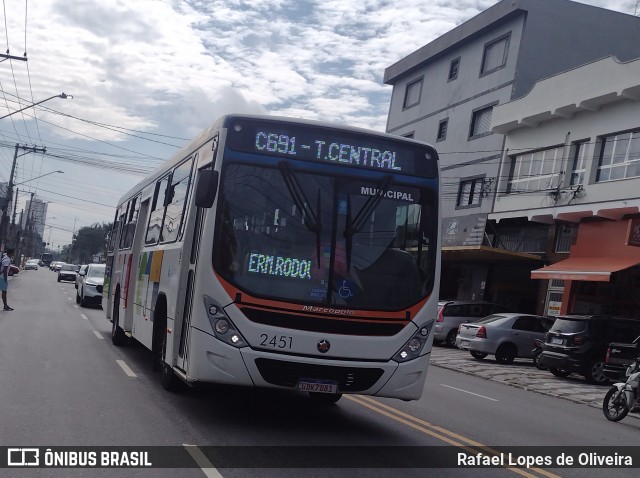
x: 522, y: 374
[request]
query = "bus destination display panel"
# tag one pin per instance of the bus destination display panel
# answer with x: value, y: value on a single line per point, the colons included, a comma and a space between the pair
x: 324, y: 145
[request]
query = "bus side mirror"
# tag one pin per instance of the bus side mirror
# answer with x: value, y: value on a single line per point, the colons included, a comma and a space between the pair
x: 206, y: 187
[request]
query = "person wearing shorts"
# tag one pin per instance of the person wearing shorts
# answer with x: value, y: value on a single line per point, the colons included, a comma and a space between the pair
x: 5, y: 265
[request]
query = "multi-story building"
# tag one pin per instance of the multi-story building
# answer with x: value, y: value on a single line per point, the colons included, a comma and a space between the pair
x: 445, y: 93
x: 572, y: 168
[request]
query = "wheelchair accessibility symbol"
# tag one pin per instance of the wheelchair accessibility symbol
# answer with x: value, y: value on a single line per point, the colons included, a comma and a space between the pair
x: 345, y: 291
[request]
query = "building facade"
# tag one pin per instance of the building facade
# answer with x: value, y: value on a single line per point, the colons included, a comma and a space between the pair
x: 445, y: 93
x: 572, y: 166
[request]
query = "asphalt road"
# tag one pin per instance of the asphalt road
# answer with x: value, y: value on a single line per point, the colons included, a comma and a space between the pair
x: 62, y: 383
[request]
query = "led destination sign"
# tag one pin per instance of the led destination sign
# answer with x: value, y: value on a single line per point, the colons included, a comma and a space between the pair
x: 327, y: 145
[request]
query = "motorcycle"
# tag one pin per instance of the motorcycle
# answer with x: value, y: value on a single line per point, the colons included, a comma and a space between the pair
x: 537, y: 350
x: 620, y: 399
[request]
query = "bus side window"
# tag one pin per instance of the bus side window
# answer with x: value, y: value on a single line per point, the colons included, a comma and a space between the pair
x: 129, y: 227
x: 157, y: 212
x: 114, y: 233
x: 176, y: 200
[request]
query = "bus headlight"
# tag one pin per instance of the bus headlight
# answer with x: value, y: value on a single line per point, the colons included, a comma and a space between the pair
x: 415, y: 344
x: 222, y: 327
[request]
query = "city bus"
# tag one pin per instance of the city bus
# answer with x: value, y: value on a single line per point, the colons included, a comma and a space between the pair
x: 45, y: 259
x: 282, y: 253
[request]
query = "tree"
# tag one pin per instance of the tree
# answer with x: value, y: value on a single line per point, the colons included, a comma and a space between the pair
x: 87, y: 242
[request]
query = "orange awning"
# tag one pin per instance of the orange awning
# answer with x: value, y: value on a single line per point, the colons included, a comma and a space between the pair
x: 596, y: 269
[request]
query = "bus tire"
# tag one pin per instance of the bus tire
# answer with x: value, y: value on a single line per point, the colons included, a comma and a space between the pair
x: 168, y: 379
x: 118, y: 338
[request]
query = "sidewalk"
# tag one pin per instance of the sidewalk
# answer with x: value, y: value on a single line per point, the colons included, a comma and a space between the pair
x: 522, y: 374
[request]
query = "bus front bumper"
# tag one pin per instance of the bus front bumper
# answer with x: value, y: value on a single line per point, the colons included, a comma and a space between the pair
x: 223, y: 363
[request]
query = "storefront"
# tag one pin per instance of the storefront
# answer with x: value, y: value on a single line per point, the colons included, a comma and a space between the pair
x: 602, y: 273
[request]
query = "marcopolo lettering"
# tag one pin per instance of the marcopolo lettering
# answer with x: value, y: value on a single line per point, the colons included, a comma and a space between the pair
x: 279, y: 266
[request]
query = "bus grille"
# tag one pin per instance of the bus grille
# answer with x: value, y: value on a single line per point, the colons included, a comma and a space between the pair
x: 287, y: 374
x: 329, y: 325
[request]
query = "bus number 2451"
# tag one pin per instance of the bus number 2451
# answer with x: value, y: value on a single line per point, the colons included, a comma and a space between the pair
x: 275, y: 341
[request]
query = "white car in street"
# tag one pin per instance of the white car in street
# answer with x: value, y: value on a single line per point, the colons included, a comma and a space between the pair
x: 90, y: 287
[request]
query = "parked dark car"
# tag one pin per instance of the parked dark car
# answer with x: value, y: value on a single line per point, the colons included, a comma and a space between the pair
x: 619, y: 357
x: 452, y: 313
x: 578, y: 343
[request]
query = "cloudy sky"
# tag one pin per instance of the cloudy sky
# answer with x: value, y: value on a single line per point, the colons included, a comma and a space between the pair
x: 147, y: 75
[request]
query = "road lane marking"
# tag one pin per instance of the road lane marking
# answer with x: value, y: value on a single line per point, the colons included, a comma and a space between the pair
x: 126, y: 368
x: 202, y: 461
x: 84, y: 317
x: 470, y: 393
x: 69, y: 298
x: 99, y: 335
x: 439, y: 433
x: 76, y: 306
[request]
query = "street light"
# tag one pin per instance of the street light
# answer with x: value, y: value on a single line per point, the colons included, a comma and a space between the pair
x: 38, y: 177
x: 61, y: 95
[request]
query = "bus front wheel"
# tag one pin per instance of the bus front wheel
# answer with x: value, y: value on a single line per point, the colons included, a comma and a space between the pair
x: 168, y: 379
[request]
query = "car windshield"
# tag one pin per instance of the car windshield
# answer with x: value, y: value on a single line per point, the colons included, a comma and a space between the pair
x: 68, y: 267
x: 96, y: 271
x: 568, y: 326
x: 277, y: 227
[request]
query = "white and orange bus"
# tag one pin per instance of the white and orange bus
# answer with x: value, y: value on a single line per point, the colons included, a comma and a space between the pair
x: 284, y: 253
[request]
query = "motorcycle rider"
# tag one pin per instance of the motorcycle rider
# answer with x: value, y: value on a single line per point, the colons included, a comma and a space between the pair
x: 636, y: 405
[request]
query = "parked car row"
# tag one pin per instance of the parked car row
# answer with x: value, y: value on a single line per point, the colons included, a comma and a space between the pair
x: 580, y: 344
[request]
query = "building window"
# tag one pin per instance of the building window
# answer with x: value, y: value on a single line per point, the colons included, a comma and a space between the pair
x: 619, y: 156
x: 413, y: 93
x: 470, y: 193
x: 579, y: 163
x: 454, y: 67
x: 536, y: 171
x: 481, y: 122
x: 565, y: 237
x: 442, y: 130
x: 495, y: 55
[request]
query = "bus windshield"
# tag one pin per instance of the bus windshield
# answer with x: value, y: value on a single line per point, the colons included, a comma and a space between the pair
x: 325, y: 239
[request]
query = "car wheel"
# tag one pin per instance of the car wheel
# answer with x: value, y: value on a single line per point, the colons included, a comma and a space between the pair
x: 83, y: 303
x: 505, y: 354
x: 594, y: 373
x: 478, y: 355
x: 451, y: 338
x: 77, y: 298
x: 58, y: 279
x: 559, y: 373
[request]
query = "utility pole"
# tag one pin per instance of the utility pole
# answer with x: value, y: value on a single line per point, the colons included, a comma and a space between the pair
x: 72, y: 238
x: 27, y: 236
x: 5, y: 217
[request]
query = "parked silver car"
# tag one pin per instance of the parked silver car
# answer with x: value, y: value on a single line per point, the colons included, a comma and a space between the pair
x: 452, y: 313
x: 90, y: 288
x: 507, y: 336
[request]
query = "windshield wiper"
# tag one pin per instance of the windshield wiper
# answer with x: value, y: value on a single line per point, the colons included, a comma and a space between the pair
x: 311, y: 217
x: 354, y: 226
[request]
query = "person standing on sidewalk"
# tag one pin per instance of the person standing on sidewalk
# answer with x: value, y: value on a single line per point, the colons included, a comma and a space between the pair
x: 5, y: 265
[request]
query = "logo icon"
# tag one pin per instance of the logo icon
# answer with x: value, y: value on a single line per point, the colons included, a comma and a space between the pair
x: 23, y: 457
x: 323, y: 346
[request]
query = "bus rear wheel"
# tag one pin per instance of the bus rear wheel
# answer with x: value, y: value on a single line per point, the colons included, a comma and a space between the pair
x: 118, y: 337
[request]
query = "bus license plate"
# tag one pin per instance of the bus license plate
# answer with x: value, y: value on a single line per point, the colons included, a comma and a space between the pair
x: 317, y: 386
